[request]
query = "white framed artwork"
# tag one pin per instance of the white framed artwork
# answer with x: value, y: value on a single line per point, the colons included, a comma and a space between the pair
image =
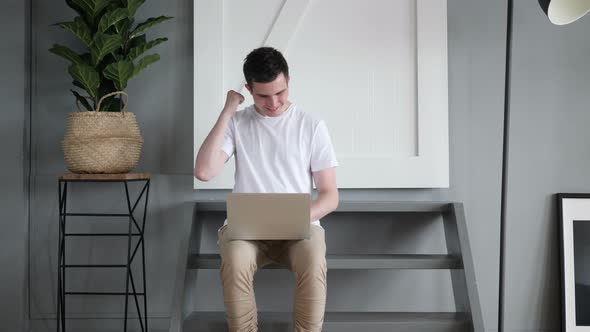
x: 574, y: 228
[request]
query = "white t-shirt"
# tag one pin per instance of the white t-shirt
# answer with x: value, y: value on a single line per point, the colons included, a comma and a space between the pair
x: 278, y: 154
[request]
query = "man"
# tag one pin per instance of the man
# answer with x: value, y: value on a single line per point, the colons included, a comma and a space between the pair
x: 278, y: 149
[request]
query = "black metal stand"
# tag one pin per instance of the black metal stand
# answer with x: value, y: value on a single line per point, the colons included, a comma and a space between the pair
x: 138, y: 233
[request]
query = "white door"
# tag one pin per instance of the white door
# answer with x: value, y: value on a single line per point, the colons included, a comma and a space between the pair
x: 375, y: 70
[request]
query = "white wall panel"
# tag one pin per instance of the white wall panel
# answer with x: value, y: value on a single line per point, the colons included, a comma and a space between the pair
x: 376, y: 71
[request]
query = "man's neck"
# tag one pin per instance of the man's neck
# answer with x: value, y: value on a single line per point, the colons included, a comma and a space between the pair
x: 283, y: 109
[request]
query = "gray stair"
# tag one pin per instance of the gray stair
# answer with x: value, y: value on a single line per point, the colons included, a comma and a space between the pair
x: 356, y: 206
x: 457, y: 260
x: 344, y: 321
x: 350, y: 262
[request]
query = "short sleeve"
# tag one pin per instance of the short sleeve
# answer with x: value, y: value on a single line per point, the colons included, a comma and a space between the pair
x: 322, y: 151
x: 228, y: 145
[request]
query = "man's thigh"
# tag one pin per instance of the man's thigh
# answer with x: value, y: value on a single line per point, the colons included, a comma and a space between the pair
x: 240, y: 250
x: 308, y: 250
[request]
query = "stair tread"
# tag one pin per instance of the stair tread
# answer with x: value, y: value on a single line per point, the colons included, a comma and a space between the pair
x: 349, y: 317
x: 355, y: 206
x: 353, y: 261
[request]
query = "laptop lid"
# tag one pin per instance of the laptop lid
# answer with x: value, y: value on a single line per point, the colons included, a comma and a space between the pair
x: 254, y: 216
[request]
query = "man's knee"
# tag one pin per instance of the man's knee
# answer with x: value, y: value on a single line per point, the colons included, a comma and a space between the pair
x: 238, y: 257
x: 311, y: 264
x: 308, y: 257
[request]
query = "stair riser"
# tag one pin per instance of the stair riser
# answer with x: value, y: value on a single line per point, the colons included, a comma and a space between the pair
x: 385, y: 327
x: 337, y: 327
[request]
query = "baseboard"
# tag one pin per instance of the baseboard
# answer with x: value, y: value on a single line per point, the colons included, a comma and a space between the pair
x: 100, y: 325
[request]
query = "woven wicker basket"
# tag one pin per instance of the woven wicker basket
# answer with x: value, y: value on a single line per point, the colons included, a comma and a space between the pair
x: 102, y: 142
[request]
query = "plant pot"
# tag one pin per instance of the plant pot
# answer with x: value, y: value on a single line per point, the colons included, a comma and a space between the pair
x: 102, y: 142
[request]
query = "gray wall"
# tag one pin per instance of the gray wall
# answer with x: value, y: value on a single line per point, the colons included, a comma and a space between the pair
x: 13, y: 165
x: 546, y: 157
x: 548, y: 154
x: 162, y: 99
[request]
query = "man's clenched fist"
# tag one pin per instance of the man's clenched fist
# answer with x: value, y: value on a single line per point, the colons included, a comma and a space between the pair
x: 232, y: 101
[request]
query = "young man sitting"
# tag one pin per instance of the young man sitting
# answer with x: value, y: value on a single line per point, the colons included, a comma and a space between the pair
x: 278, y: 148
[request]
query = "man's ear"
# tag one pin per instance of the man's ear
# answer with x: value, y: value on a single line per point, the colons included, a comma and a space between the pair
x: 248, y: 88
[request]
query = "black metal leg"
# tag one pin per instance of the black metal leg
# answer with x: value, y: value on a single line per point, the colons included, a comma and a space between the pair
x: 61, y: 270
x: 142, y: 239
x: 128, y: 275
x: 63, y: 258
x: 59, y: 240
x: 136, y: 301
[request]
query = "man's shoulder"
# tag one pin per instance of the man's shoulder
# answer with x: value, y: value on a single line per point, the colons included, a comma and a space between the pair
x: 310, y: 118
x: 243, y: 114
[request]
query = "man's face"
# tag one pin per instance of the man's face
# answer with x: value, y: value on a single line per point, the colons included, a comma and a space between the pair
x: 270, y: 98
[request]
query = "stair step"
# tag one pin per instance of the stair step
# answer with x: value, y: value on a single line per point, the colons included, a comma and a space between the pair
x: 354, y: 206
x: 348, y: 262
x: 343, y: 321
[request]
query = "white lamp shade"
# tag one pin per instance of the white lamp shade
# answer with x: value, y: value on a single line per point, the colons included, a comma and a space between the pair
x: 561, y: 12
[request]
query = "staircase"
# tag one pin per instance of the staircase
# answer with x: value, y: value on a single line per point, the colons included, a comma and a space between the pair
x: 458, y: 260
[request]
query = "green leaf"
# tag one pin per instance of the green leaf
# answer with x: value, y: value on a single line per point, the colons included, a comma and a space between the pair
x: 137, y: 41
x: 111, y: 18
x: 78, y: 10
x: 135, y: 52
x: 66, y: 53
x: 106, y: 87
x: 87, y: 57
x: 78, y: 84
x: 150, y: 22
x: 132, y: 6
x: 75, y: 7
x: 114, y: 5
x: 81, y: 86
x: 123, y: 26
x: 79, y: 29
x: 92, y: 7
x: 144, y: 62
x: 106, y: 104
x: 119, y: 72
x: 83, y: 101
x: 104, y: 44
x: 113, y: 105
x: 87, y: 76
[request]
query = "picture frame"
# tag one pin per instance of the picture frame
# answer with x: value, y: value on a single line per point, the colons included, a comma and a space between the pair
x: 574, y: 239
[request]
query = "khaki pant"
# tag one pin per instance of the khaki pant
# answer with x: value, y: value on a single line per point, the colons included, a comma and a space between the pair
x: 306, y: 258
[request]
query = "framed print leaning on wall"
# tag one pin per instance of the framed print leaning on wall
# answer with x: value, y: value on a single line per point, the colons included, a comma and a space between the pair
x: 574, y: 225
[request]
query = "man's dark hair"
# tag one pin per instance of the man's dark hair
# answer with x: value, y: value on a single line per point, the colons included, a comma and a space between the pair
x: 263, y: 65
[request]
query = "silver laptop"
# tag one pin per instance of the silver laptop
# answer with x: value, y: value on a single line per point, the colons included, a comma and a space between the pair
x: 268, y: 216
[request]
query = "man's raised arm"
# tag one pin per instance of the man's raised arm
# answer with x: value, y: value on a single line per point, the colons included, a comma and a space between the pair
x: 210, y: 158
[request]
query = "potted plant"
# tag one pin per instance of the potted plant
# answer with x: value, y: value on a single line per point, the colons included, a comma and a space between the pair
x: 103, y: 137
